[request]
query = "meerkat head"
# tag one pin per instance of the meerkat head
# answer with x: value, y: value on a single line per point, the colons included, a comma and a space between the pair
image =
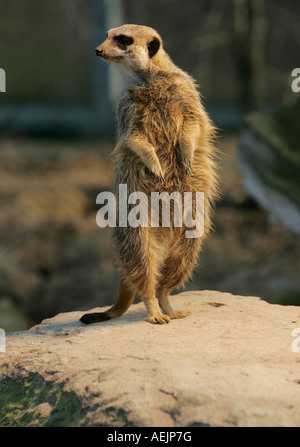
x: 133, y: 47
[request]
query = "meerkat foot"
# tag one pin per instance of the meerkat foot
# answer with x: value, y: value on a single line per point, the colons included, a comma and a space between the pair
x: 158, y: 318
x: 179, y: 314
x: 95, y: 317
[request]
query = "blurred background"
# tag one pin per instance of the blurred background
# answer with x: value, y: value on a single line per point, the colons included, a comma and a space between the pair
x: 57, y: 132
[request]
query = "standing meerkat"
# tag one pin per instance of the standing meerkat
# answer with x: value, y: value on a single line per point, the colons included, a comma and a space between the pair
x: 164, y: 144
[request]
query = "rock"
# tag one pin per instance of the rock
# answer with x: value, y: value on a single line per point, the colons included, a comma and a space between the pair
x: 230, y: 363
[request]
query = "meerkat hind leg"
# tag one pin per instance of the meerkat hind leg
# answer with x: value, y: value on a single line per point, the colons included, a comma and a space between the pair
x: 154, y: 313
x: 163, y: 298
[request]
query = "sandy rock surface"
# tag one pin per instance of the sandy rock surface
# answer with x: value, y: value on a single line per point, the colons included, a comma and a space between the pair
x: 230, y: 363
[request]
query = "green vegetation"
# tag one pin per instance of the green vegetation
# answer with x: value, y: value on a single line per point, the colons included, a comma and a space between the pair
x: 27, y: 399
x: 22, y: 393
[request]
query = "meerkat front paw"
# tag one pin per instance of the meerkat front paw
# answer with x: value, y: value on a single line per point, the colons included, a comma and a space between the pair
x: 158, y: 318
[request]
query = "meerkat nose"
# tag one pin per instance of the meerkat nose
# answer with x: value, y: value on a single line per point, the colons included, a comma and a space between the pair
x: 99, y: 52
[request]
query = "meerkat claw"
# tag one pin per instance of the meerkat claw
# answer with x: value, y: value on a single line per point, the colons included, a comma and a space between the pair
x: 159, y: 319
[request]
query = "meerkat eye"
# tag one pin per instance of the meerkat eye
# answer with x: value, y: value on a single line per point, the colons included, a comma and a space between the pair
x: 124, y: 40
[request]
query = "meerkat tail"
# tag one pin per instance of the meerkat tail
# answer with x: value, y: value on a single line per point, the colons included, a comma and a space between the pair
x: 95, y: 317
x: 125, y: 299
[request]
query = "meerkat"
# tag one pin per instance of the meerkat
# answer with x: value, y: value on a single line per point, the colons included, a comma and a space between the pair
x: 165, y: 142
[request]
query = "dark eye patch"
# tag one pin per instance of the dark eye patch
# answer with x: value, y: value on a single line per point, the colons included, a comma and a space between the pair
x: 123, y: 40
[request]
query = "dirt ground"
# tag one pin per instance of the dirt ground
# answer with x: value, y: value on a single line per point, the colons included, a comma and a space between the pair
x: 54, y: 258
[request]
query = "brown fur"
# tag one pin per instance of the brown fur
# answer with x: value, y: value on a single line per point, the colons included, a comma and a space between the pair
x: 164, y: 143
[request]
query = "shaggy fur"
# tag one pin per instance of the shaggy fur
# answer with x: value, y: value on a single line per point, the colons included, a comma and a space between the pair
x: 164, y: 143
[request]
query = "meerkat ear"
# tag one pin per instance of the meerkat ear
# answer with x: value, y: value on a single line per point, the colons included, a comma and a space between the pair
x: 153, y: 47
